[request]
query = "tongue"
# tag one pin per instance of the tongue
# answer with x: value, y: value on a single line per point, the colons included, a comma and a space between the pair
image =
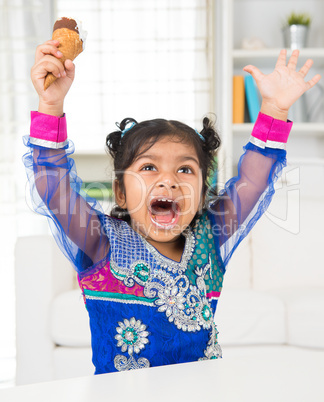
x: 165, y: 218
x: 162, y: 215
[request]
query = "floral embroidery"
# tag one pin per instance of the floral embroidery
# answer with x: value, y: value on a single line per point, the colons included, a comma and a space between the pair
x: 185, y: 305
x: 171, y: 301
x: 131, y: 336
x: 184, y: 302
x: 213, y: 350
x: 206, y: 313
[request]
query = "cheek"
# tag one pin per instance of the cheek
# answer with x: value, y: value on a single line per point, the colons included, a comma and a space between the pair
x: 135, y: 189
x: 198, y: 193
x: 191, y: 196
x: 194, y: 188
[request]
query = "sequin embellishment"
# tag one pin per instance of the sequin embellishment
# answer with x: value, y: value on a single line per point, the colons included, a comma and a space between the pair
x: 171, y: 265
x: 131, y: 338
x: 138, y: 272
x: 213, y: 350
x: 123, y: 364
x: 184, y: 304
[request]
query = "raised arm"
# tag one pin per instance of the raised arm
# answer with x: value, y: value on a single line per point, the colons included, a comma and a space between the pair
x: 246, y: 196
x: 75, y: 219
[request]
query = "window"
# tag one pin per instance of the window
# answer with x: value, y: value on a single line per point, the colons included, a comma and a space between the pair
x: 143, y: 59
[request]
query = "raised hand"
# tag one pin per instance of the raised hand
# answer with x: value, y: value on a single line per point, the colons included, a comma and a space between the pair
x: 281, y: 88
x: 47, y: 60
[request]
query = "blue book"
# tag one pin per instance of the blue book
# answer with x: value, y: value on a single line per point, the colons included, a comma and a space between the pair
x: 252, y: 98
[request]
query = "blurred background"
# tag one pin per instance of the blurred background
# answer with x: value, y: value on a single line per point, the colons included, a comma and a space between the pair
x: 173, y: 59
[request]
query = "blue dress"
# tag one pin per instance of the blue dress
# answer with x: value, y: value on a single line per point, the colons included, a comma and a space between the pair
x: 148, y: 310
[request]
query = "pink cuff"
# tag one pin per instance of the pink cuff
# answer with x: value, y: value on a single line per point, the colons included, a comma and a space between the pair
x: 48, y: 131
x: 270, y: 133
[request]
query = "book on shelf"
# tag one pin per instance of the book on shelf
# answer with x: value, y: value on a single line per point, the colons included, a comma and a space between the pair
x: 238, y: 99
x: 252, y: 98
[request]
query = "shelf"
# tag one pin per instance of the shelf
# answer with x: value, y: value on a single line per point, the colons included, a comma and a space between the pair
x: 267, y: 57
x: 248, y: 19
x: 315, y: 129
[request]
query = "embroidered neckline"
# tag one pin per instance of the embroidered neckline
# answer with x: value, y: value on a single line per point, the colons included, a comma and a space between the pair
x: 166, y: 262
x: 153, y: 255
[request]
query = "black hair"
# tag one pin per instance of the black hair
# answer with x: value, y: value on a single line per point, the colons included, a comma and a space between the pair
x: 124, y: 149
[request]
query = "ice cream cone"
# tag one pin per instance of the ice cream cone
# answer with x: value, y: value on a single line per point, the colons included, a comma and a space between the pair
x: 66, y: 31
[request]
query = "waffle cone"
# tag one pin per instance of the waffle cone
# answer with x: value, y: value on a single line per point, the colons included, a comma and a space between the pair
x: 70, y: 45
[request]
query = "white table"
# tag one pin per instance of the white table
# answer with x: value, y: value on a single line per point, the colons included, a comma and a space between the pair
x: 217, y: 380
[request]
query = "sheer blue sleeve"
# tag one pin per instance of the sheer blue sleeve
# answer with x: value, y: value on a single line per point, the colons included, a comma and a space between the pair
x: 74, y: 218
x: 246, y: 197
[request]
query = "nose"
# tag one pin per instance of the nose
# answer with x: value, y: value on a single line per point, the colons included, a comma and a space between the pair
x: 167, y: 181
x: 166, y: 185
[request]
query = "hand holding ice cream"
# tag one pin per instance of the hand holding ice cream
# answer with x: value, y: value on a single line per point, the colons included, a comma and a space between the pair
x: 71, y: 37
x: 53, y: 60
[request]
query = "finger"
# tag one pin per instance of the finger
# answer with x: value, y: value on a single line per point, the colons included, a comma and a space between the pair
x: 49, y: 47
x: 69, y: 68
x: 54, y: 42
x: 254, y: 71
x: 69, y: 64
x: 46, y: 50
x: 292, y: 63
x: 313, y: 81
x: 49, y: 64
x: 281, y: 61
x: 306, y: 67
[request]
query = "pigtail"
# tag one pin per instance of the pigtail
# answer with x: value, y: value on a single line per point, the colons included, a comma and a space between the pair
x: 124, y: 123
x: 212, y: 142
x: 113, y: 143
x: 212, y: 139
x: 114, y: 139
x: 114, y: 146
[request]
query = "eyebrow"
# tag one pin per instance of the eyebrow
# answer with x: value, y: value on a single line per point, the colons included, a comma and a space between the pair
x: 155, y: 157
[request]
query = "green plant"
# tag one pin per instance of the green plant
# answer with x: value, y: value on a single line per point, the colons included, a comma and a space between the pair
x: 298, y: 19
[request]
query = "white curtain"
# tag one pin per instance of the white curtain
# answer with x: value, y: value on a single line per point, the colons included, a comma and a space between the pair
x: 23, y: 25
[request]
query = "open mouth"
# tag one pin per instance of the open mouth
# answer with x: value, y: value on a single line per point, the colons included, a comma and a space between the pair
x: 164, y: 212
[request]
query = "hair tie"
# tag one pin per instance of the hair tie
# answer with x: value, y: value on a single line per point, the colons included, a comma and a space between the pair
x: 200, y: 135
x: 127, y: 129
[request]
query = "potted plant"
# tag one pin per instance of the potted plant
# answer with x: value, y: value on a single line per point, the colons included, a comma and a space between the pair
x: 295, y: 30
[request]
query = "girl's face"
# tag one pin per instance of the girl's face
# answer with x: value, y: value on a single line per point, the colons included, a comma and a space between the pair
x: 162, y: 190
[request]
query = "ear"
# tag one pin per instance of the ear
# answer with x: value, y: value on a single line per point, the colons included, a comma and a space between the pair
x: 119, y: 194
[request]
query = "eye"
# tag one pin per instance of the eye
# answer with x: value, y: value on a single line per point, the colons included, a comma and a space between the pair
x: 185, y: 169
x: 148, y: 168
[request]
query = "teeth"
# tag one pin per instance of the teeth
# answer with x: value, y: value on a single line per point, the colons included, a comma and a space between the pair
x: 164, y: 200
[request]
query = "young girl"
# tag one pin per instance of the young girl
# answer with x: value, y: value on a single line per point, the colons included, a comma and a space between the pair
x: 151, y: 273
